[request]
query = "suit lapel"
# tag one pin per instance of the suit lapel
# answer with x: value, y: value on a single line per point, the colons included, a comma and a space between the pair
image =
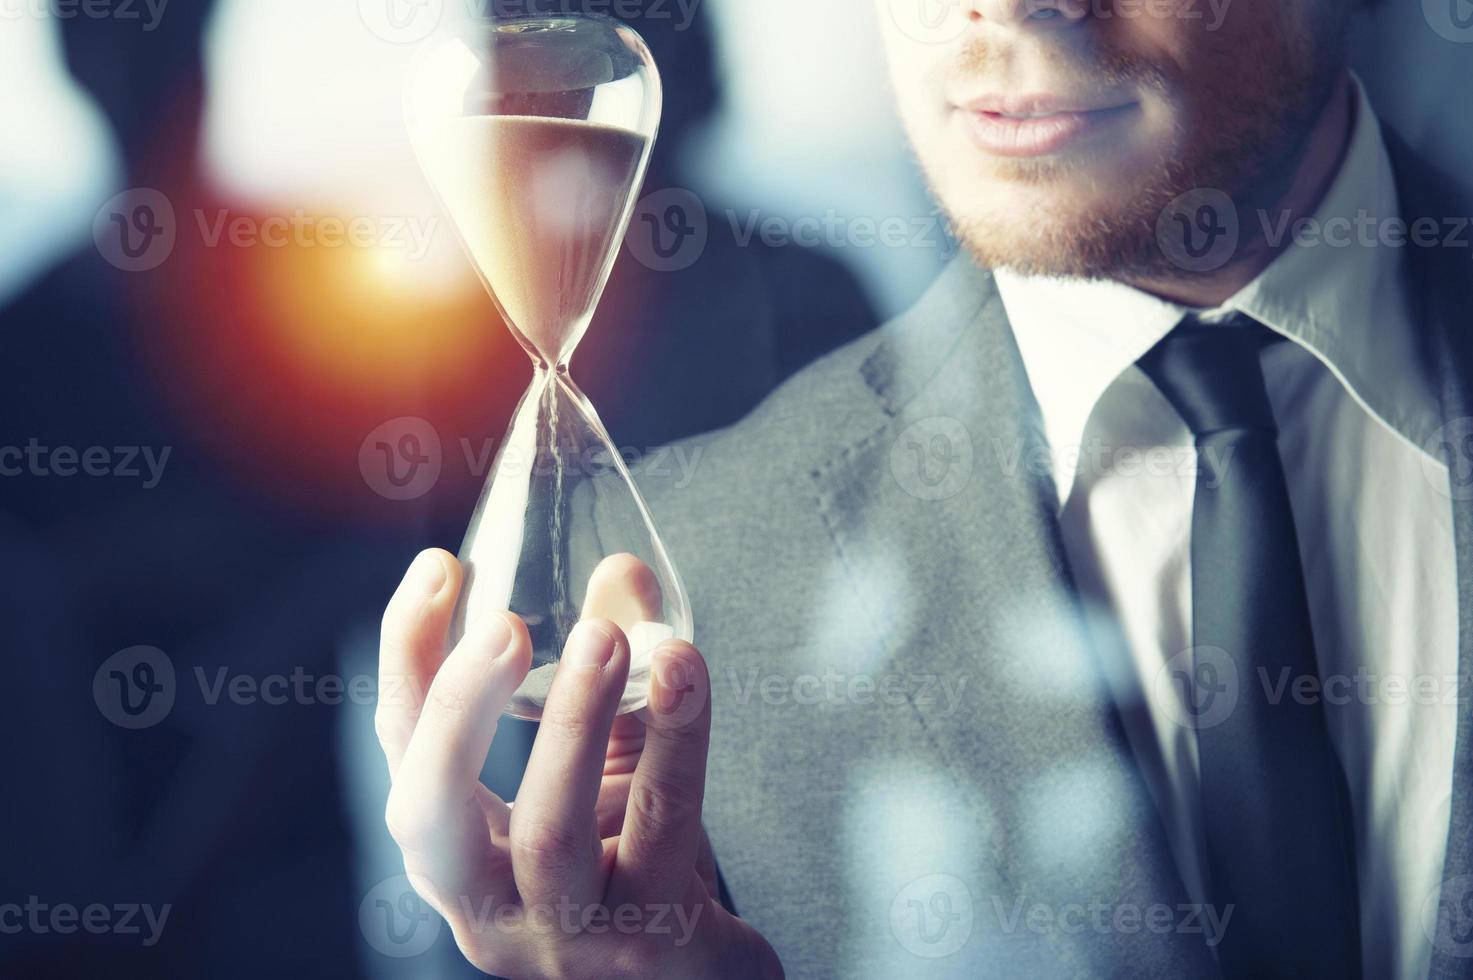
x: 947, y: 482
x: 1442, y: 280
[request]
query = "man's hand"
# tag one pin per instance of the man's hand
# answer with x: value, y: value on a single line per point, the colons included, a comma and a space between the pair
x: 601, y: 869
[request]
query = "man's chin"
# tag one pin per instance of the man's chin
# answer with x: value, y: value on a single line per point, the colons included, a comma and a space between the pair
x: 1101, y: 243
x: 1084, y: 215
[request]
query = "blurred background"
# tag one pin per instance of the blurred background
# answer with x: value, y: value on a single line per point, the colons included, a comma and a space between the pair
x: 204, y: 385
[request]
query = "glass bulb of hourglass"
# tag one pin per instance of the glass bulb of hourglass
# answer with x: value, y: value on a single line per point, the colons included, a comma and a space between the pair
x: 535, y: 133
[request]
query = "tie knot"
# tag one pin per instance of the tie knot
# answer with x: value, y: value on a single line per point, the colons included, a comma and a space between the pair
x: 1211, y: 374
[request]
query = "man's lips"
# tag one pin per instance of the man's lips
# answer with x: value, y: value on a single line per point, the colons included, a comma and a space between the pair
x: 1030, y: 126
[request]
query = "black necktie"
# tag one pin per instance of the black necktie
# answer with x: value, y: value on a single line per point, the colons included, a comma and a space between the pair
x: 1275, y: 807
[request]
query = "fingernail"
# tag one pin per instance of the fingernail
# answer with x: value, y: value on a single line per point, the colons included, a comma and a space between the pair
x: 674, y: 681
x: 493, y: 634
x: 590, y: 645
x: 427, y: 575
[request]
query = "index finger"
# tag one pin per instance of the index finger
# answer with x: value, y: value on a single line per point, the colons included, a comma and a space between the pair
x: 412, y: 647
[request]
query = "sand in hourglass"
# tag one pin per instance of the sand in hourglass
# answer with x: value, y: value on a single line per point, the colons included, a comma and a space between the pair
x: 540, y: 202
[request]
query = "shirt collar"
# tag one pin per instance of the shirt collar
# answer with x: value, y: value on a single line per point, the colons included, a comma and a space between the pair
x: 1076, y: 337
x: 1339, y: 294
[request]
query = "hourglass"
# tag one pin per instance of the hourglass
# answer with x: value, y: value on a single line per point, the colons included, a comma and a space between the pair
x: 535, y: 133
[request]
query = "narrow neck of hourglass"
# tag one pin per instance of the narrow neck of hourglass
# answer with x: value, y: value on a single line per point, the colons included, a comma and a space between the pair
x: 550, y: 343
x: 544, y: 360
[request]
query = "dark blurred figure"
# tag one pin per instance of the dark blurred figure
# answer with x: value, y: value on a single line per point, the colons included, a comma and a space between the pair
x: 676, y: 353
x: 224, y: 817
x: 231, y: 816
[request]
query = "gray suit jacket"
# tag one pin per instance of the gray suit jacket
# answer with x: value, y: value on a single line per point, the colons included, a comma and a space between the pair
x: 917, y: 768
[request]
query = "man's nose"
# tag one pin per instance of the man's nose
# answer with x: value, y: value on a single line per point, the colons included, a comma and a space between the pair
x: 1031, y: 13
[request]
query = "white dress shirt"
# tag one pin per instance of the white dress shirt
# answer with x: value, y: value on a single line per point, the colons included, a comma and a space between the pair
x: 1373, y: 512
